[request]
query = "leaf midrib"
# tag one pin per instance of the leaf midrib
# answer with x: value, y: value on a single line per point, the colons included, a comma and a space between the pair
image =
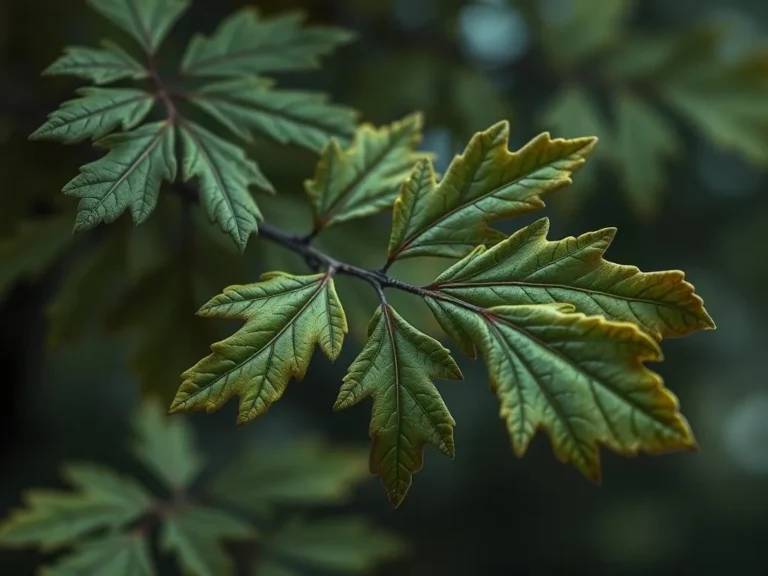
x: 322, y: 283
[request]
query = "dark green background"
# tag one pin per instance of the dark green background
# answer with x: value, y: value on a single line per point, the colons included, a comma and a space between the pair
x: 486, y: 512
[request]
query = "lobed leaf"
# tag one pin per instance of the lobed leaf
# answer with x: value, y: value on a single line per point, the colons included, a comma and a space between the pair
x: 95, y: 114
x: 644, y: 144
x: 301, y: 474
x: 396, y: 369
x: 484, y: 184
x: 364, y: 178
x: 348, y: 545
x: 166, y: 446
x: 285, y: 317
x: 248, y: 105
x: 129, y: 176
x: 225, y: 173
x: 529, y: 269
x: 196, y: 534
x: 99, y: 65
x: 247, y: 43
x: 51, y: 519
x: 147, y: 21
x: 117, y: 555
x: 582, y: 379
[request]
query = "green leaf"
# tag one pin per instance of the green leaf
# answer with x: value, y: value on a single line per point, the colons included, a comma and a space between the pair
x: 484, y: 184
x: 572, y: 113
x: 248, y: 105
x: 644, y: 144
x: 529, y: 269
x: 159, y: 307
x: 225, y: 174
x: 129, y: 176
x: 118, y: 555
x: 32, y: 249
x: 246, y: 44
x: 591, y: 26
x: 166, y: 446
x: 87, y: 289
x: 582, y: 379
x: 196, y: 535
x: 727, y: 104
x: 285, y: 317
x: 348, y: 545
x: 396, y: 369
x: 99, y: 65
x: 273, y: 568
x: 302, y: 474
x: 53, y: 519
x: 365, y: 177
x: 147, y: 21
x: 95, y: 114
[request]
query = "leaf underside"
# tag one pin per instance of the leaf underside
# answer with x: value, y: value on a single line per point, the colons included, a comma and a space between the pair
x: 285, y: 317
x: 396, y: 369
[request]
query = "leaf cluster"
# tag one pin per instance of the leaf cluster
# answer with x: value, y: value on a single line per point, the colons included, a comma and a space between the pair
x: 708, y: 86
x: 111, y: 524
x: 565, y: 333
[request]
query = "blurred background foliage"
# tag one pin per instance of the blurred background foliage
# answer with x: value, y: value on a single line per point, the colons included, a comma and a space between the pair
x: 677, y: 92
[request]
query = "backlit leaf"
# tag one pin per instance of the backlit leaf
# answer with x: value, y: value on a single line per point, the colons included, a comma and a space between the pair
x: 148, y: 21
x: 250, y: 105
x: 348, y: 545
x: 582, y: 379
x: 197, y: 534
x: 644, y: 144
x: 246, y: 44
x: 484, y: 184
x: 95, y: 114
x: 364, y: 178
x: 529, y: 269
x: 31, y: 249
x: 285, y: 317
x: 166, y: 446
x: 99, y: 65
x: 129, y: 176
x: 119, y: 555
x: 304, y: 473
x: 396, y: 369
x: 52, y: 519
x: 225, y: 174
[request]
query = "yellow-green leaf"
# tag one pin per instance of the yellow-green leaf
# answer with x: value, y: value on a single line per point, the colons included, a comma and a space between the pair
x: 249, y: 106
x: 364, y: 178
x: 484, y: 184
x: 396, y: 369
x: 582, y: 379
x: 285, y: 317
x: 246, y: 44
x: 529, y: 269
